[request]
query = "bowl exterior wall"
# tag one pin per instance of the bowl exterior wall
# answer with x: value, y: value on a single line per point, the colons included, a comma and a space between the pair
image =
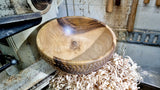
x: 78, y: 69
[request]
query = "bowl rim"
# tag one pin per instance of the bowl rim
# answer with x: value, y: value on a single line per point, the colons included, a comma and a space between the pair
x: 80, y: 62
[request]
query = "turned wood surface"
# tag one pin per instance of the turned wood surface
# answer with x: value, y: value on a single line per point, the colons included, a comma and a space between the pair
x: 76, y: 40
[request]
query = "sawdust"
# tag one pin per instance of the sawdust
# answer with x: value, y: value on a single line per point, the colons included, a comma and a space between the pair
x: 118, y: 74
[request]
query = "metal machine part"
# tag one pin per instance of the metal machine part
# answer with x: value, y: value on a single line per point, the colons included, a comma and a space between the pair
x: 13, y: 24
x: 4, y: 59
x: 40, y: 5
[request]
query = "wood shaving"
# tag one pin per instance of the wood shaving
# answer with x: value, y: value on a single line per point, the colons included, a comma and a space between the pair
x: 118, y: 74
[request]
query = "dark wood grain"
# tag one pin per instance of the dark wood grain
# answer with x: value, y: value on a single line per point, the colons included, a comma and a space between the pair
x: 79, y: 25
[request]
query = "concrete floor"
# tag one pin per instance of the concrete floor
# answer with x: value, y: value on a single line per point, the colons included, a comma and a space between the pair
x: 147, y: 57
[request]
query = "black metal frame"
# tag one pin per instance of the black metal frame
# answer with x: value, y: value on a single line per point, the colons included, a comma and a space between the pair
x: 14, y: 24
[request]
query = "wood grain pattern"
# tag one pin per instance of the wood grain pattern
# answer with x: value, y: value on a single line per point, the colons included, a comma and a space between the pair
x: 146, y: 1
x: 157, y: 2
x: 109, y: 6
x: 132, y: 15
x: 72, y: 43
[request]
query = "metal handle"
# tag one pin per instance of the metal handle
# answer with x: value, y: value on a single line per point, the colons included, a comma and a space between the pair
x: 12, y: 62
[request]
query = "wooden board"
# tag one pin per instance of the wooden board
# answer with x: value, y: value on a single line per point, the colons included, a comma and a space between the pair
x: 28, y: 77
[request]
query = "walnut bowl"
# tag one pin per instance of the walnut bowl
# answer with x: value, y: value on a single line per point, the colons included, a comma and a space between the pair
x: 76, y: 44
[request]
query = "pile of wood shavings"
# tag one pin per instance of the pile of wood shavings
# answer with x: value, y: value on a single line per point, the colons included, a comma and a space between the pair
x: 118, y: 74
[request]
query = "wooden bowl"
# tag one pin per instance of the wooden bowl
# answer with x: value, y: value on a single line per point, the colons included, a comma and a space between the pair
x: 76, y: 44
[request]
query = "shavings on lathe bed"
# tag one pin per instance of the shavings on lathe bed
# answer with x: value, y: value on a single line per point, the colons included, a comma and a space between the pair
x: 118, y: 74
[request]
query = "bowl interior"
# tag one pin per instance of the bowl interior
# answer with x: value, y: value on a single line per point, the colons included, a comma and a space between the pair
x: 74, y: 38
x: 99, y: 48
